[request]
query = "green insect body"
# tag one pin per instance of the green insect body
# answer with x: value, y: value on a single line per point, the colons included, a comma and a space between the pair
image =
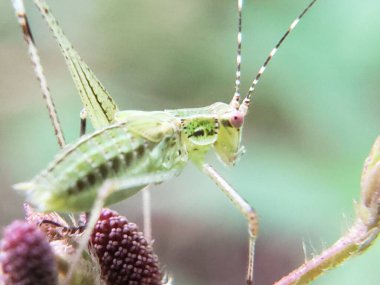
x: 168, y: 139
x: 133, y: 149
x: 140, y: 143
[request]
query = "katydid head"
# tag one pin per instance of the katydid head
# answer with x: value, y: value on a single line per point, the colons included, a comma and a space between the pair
x: 217, y: 126
x: 227, y: 145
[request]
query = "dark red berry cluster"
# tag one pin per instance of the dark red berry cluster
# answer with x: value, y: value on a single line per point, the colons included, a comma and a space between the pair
x: 125, y: 257
x: 26, y: 256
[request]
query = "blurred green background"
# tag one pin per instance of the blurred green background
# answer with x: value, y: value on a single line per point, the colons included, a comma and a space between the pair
x: 314, y: 117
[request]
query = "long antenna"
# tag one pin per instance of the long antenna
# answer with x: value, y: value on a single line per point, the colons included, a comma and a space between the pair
x: 246, y: 101
x: 28, y: 37
x: 235, y: 102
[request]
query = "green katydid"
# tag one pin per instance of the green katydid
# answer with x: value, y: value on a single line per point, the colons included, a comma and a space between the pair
x: 130, y: 150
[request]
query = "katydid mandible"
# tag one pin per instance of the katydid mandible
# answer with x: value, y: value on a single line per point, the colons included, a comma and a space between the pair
x: 133, y: 149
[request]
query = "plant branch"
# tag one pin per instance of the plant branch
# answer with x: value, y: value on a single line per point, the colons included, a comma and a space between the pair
x: 358, y: 238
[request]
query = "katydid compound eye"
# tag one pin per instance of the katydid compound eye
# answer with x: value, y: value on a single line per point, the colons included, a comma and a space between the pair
x: 237, y: 119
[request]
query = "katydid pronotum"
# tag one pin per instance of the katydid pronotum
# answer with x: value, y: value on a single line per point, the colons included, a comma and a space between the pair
x: 131, y: 150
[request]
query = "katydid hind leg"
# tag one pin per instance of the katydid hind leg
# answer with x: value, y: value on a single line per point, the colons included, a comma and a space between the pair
x: 19, y: 8
x: 245, y: 209
x: 99, y: 105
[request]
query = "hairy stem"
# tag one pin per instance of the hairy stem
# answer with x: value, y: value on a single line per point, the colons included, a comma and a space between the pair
x: 355, y: 241
x: 359, y: 237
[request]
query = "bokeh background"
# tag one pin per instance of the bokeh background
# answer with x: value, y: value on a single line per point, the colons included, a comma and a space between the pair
x: 314, y: 117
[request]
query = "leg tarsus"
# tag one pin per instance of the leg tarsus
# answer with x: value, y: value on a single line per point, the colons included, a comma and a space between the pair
x: 64, y: 229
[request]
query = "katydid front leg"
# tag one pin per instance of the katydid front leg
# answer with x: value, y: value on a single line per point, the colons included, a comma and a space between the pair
x: 244, y: 208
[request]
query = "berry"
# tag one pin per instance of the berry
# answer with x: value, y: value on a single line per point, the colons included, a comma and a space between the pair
x: 26, y: 256
x: 125, y: 256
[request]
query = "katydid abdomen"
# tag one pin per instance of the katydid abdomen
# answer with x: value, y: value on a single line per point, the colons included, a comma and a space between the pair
x: 71, y: 182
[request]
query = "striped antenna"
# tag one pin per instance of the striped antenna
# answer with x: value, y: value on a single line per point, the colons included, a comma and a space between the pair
x: 235, y: 102
x: 246, y: 101
x: 18, y: 5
